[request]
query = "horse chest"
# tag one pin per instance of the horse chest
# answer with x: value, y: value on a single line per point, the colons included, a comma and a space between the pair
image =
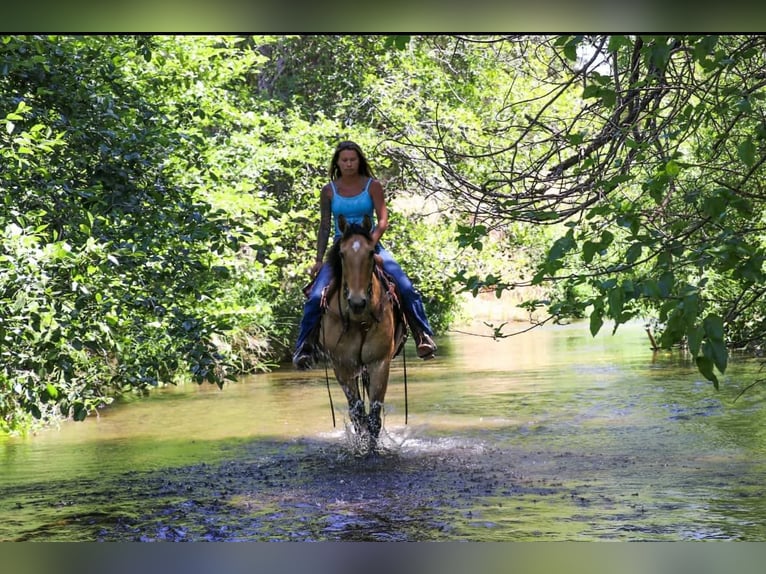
x: 361, y: 343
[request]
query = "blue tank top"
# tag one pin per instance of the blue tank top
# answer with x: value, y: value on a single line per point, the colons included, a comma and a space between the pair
x: 353, y: 208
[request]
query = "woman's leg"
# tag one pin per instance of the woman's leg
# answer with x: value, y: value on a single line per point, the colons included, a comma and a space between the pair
x: 412, y: 304
x: 312, y: 312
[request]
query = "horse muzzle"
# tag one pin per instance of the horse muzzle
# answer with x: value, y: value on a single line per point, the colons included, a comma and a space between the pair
x: 357, y: 305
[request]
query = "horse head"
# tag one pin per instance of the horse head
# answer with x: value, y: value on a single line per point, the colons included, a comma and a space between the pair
x: 357, y: 257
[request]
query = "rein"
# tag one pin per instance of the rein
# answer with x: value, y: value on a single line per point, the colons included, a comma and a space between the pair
x: 327, y: 376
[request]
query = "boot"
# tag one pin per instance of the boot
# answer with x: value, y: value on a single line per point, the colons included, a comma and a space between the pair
x: 303, y: 359
x: 308, y: 353
x: 426, y: 346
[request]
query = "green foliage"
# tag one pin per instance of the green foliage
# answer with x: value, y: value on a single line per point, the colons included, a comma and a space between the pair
x: 159, y: 194
x: 159, y: 203
x: 108, y: 266
x: 643, y: 155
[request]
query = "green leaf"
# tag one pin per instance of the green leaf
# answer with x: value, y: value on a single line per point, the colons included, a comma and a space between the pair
x: 705, y: 366
x: 52, y: 391
x: 713, y: 325
x: 651, y: 289
x: 402, y: 41
x: 597, y: 210
x: 538, y: 277
x: 614, y: 182
x: 570, y: 51
x: 397, y: 41
x: 471, y: 236
x: 694, y: 339
x: 576, y: 138
x: 659, y: 55
x: 609, y: 97
x: 80, y: 412
x: 562, y: 246
x: 665, y: 283
x: 705, y: 46
x: 672, y: 168
x: 743, y: 105
x: 633, y: 253
x: 715, y: 205
x: 606, y: 95
x: 588, y: 251
x: 596, y: 321
x: 616, y: 42
x: 541, y: 215
x: 720, y: 355
x: 591, y: 91
x: 746, y: 152
x: 690, y: 305
x: 616, y: 302
x: 60, y: 250
x: 657, y: 186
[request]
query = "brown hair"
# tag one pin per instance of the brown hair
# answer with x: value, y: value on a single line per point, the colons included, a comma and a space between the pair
x: 364, y: 165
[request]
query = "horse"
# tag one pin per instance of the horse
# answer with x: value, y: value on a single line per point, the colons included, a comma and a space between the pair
x: 361, y: 329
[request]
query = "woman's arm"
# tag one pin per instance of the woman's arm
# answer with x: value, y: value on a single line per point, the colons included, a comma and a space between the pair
x: 325, y: 223
x: 381, y: 211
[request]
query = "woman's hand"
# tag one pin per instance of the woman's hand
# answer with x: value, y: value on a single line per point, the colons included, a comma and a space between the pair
x: 315, y: 269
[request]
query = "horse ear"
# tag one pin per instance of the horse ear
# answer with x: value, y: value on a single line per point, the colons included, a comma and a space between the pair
x: 367, y: 224
x: 342, y: 223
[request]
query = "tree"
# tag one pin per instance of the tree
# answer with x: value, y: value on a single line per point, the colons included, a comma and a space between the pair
x: 158, y: 205
x: 646, y: 154
x: 107, y: 263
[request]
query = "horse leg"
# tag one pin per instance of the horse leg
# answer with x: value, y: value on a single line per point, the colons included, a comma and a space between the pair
x: 356, y: 409
x: 374, y: 420
x: 358, y: 417
x: 377, y: 394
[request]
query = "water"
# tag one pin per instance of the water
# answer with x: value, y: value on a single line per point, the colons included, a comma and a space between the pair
x: 551, y: 435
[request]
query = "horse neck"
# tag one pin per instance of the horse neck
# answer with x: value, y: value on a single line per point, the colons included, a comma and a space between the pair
x: 377, y: 287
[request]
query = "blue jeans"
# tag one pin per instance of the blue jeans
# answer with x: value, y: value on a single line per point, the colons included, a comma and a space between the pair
x: 410, y: 299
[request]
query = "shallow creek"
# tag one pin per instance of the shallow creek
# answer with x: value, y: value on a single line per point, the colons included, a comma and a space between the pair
x: 550, y: 435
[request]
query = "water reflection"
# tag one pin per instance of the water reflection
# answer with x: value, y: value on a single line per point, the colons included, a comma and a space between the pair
x: 549, y: 435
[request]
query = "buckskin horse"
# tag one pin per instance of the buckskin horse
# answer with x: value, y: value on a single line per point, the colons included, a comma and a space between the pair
x: 361, y: 330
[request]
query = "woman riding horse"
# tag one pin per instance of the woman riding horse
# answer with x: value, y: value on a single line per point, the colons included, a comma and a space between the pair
x: 354, y: 193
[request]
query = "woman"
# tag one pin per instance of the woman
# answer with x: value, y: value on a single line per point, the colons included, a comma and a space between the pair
x: 354, y: 192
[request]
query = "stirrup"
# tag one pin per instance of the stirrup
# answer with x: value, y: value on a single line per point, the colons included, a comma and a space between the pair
x: 426, y: 347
